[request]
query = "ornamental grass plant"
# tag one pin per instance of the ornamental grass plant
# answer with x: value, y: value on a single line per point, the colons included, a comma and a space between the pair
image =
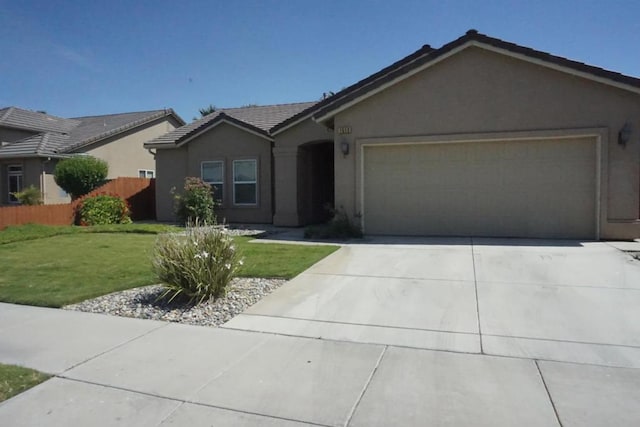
x: 197, y: 265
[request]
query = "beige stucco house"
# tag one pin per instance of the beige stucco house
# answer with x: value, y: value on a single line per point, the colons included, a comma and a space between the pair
x: 33, y: 142
x: 479, y: 137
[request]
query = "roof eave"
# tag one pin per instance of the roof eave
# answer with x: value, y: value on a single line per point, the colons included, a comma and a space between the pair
x: 329, y: 111
x: 101, y: 137
x: 34, y: 155
x: 224, y: 118
x: 278, y: 130
x: 219, y: 119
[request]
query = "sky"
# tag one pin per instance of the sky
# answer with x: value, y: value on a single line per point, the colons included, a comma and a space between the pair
x: 80, y: 58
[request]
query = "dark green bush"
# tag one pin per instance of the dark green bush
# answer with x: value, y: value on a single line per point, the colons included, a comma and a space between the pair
x: 29, y: 196
x: 104, y: 209
x: 195, y: 203
x: 80, y: 175
x: 339, y: 227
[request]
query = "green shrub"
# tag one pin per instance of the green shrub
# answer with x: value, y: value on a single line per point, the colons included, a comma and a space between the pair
x: 80, y: 175
x: 197, y: 265
x: 104, y: 209
x: 339, y: 227
x: 196, y: 203
x: 29, y: 196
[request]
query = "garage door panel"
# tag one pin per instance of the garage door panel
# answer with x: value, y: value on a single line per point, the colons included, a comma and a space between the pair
x: 540, y: 188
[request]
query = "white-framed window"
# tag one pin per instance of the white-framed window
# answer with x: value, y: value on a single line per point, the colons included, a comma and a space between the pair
x: 212, y: 172
x: 245, y: 182
x: 146, y: 173
x: 14, y: 181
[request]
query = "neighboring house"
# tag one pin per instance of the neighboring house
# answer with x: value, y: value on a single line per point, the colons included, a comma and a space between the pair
x: 33, y: 142
x: 480, y: 137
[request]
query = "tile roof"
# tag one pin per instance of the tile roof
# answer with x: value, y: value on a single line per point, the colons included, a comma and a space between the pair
x: 422, y: 57
x: 61, y: 136
x: 424, y: 50
x: 47, y: 144
x: 258, y: 119
x: 19, y: 118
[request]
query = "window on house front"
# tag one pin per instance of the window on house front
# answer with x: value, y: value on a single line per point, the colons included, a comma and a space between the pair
x: 213, y: 174
x: 146, y: 173
x: 14, y: 181
x: 245, y: 184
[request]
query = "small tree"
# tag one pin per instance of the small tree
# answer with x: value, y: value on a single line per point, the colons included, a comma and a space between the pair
x: 196, y: 203
x: 29, y: 196
x: 80, y: 175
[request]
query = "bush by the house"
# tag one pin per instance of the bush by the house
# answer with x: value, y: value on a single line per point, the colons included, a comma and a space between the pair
x: 80, y: 175
x: 197, y: 265
x: 29, y: 196
x: 339, y: 227
x: 104, y: 209
x: 195, y: 203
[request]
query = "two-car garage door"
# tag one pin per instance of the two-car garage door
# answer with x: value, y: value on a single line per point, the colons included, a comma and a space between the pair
x: 524, y: 188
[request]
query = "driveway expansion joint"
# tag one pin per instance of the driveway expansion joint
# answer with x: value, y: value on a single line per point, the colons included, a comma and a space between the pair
x: 422, y: 279
x: 556, y: 285
x: 366, y: 386
x: 440, y: 350
x: 130, y: 340
x: 187, y: 401
x: 475, y: 282
x: 635, y: 347
x: 335, y: 322
x: 546, y: 388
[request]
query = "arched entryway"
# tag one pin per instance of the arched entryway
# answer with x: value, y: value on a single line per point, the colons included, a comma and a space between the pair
x: 315, y: 182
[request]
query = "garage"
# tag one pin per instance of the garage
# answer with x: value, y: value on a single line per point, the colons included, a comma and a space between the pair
x: 511, y: 188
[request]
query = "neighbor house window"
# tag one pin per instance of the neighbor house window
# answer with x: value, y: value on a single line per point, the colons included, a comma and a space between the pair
x: 213, y: 174
x: 146, y: 173
x: 14, y: 181
x: 245, y: 184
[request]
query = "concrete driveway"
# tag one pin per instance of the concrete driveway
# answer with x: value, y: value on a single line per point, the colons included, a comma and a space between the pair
x: 563, y: 317
x: 412, y: 332
x: 552, y: 300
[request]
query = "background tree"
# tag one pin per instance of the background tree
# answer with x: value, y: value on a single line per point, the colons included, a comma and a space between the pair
x: 207, y: 110
x: 80, y: 175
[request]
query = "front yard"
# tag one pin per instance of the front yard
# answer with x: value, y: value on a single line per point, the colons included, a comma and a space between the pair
x: 57, y: 266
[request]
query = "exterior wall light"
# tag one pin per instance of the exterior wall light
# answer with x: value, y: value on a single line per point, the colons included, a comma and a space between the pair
x: 624, y: 135
x: 344, y: 147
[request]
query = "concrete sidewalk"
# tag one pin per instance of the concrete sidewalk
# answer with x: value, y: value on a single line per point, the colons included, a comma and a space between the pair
x: 111, y: 370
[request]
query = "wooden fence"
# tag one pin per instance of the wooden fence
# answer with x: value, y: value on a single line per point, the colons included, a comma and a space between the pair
x: 43, y: 214
x: 138, y: 192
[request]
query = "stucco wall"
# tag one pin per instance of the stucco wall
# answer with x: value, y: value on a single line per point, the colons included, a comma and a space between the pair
x: 478, y: 91
x: 289, y: 194
x: 171, y: 169
x: 125, y: 152
x: 226, y: 143
x: 52, y: 193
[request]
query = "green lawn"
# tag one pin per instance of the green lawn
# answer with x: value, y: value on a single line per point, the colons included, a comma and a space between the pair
x: 73, y: 264
x: 279, y: 260
x: 15, y: 380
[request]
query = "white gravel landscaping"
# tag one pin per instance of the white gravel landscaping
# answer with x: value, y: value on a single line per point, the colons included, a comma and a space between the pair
x: 143, y: 303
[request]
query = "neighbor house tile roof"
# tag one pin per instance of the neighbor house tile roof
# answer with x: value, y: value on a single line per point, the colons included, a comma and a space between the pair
x: 47, y: 144
x: 59, y: 136
x: 425, y: 56
x: 18, y: 118
x: 258, y: 119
